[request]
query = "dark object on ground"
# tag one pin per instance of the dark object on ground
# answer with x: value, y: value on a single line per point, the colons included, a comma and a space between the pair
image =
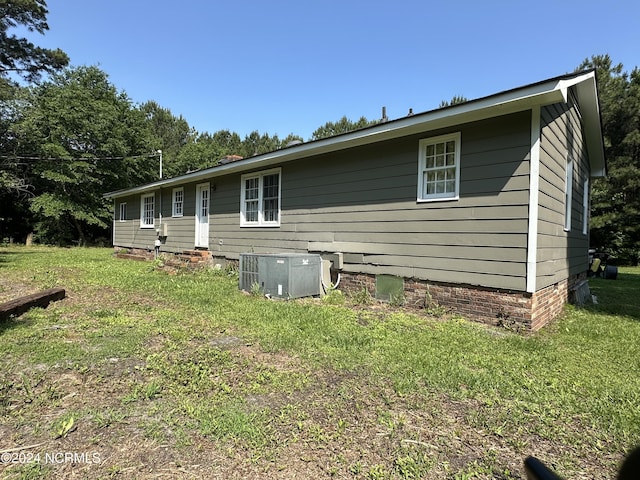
x: 602, y: 265
x: 536, y: 470
x: 610, y: 272
x: 630, y: 469
x: 20, y: 305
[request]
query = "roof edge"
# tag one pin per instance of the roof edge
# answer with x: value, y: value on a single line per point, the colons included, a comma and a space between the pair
x: 509, y: 101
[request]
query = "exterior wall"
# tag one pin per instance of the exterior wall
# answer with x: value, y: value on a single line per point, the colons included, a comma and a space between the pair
x: 362, y: 202
x: 561, y: 253
x: 128, y: 233
x: 180, y: 230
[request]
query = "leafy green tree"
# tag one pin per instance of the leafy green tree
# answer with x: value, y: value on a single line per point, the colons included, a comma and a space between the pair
x: 615, y: 205
x: 18, y: 54
x: 89, y: 139
x: 256, y: 144
x: 455, y: 100
x: 169, y: 134
x: 343, y: 125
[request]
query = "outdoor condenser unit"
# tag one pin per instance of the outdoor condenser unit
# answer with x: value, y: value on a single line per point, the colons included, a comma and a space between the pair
x: 282, y: 275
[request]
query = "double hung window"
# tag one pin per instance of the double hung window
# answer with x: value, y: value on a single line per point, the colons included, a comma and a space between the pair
x: 439, y: 168
x: 177, y: 203
x: 147, y: 210
x: 260, y: 199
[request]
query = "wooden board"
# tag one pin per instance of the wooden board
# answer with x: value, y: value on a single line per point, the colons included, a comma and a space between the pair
x: 21, y: 305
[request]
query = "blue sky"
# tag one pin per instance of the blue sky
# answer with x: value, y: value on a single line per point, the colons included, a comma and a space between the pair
x: 283, y: 67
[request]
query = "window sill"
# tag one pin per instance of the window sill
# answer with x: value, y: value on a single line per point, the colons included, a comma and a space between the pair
x: 147, y: 227
x: 258, y: 225
x: 438, y: 199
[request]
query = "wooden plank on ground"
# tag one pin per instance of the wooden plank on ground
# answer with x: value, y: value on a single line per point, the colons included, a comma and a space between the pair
x: 20, y: 305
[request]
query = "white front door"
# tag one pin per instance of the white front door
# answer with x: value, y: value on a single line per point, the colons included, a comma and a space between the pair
x: 202, y: 215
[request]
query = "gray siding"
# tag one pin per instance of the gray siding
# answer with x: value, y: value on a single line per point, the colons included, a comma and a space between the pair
x: 561, y: 253
x: 362, y: 202
x: 180, y: 230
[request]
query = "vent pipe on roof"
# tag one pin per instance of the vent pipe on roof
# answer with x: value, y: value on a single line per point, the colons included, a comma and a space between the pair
x: 410, y: 112
x: 384, y: 115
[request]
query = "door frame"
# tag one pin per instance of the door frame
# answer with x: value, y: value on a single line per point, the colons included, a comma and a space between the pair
x: 199, y: 225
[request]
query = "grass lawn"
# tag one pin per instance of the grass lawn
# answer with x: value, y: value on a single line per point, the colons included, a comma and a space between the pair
x: 141, y: 374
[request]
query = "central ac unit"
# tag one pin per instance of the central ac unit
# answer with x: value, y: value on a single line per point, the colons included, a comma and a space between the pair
x: 282, y: 275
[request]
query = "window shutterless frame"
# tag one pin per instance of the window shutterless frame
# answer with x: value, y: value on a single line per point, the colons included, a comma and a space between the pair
x: 123, y: 212
x: 147, y: 210
x: 177, y: 202
x: 260, y: 198
x: 439, y: 168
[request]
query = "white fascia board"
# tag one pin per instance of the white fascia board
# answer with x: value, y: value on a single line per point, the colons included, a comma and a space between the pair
x: 511, y: 101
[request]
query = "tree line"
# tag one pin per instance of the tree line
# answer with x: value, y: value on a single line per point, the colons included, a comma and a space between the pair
x: 66, y: 140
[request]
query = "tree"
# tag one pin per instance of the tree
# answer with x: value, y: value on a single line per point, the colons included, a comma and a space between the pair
x: 18, y: 54
x: 343, y: 125
x: 615, y: 204
x: 20, y: 57
x: 170, y: 134
x: 455, y: 100
x: 256, y: 144
x: 89, y: 139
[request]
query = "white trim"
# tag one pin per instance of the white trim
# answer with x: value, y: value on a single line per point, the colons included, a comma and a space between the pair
x: 202, y: 187
x: 120, y: 216
x: 153, y: 220
x: 585, y: 206
x: 534, y: 192
x: 260, y: 176
x: 422, y: 167
x: 568, y: 194
x: 174, y: 213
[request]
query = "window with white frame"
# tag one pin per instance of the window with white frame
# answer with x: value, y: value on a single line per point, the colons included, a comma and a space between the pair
x: 123, y: 211
x: 260, y: 199
x: 568, y: 194
x: 439, y: 168
x: 147, y: 210
x: 177, y: 202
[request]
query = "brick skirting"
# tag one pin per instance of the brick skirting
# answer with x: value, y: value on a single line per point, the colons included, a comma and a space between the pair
x: 512, y: 309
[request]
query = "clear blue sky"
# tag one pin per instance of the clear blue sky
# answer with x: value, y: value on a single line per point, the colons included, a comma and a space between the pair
x: 283, y: 66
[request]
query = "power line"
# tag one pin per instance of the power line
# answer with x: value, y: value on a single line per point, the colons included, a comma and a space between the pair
x: 35, y: 157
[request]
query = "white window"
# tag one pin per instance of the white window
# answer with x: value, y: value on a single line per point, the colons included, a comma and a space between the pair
x: 439, y: 168
x: 260, y: 199
x: 147, y: 210
x: 177, y: 202
x: 568, y: 194
x: 123, y: 212
x: 585, y: 206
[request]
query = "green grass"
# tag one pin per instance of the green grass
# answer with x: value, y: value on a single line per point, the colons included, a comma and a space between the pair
x: 149, y: 343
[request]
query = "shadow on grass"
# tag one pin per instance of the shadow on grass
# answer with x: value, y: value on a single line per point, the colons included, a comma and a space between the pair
x: 13, y: 323
x: 7, y: 253
x: 620, y: 296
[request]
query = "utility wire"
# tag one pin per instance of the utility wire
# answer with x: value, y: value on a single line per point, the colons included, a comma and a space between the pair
x: 22, y: 157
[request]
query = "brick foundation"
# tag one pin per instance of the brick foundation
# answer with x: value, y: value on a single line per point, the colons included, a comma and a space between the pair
x: 187, y: 259
x: 512, y: 309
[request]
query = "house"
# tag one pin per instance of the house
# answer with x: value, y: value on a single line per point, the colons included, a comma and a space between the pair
x: 481, y: 206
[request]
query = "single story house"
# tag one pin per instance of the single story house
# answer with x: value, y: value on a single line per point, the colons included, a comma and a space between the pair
x: 481, y: 206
